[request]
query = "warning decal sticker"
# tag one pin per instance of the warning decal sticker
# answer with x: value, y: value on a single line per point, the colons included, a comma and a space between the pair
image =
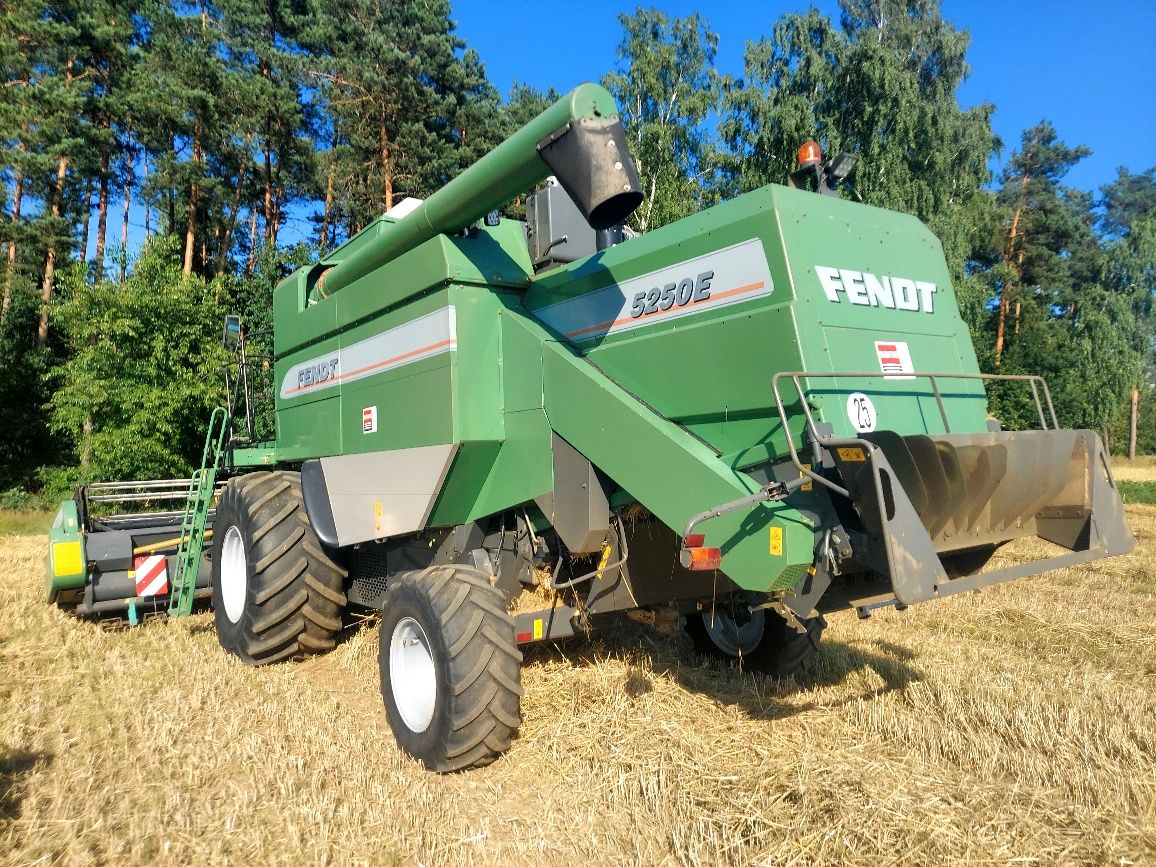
x: 894, y: 359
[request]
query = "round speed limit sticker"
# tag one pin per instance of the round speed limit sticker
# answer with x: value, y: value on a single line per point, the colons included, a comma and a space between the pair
x: 861, y: 412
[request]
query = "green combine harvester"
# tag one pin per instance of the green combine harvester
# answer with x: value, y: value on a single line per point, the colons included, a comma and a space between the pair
x: 735, y: 422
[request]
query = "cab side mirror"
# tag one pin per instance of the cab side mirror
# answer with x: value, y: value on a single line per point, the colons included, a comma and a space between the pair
x: 231, y: 337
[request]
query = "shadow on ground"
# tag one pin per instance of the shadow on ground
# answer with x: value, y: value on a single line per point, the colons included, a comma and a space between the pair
x: 647, y: 654
x: 15, y: 765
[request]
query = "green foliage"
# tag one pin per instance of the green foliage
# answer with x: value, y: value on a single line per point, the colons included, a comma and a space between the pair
x: 406, y: 111
x: 143, y: 371
x: 25, y: 445
x: 1059, y: 318
x: 882, y: 86
x: 1127, y: 199
x: 221, y: 122
x: 664, y: 94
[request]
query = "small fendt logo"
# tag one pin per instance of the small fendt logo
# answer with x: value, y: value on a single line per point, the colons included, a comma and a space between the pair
x: 867, y: 290
x: 317, y: 373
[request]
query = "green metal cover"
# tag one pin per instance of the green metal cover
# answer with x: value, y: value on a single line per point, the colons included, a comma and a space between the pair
x: 65, y: 565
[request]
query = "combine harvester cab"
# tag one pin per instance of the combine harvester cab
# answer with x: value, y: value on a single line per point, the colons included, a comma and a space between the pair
x: 498, y: 433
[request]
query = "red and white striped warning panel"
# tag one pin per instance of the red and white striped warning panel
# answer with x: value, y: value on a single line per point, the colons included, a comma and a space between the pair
x: 152, y: 575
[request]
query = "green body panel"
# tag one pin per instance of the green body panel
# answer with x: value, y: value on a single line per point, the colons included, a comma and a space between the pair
x: 819, y: 230
x: 64, y: 567
x: 254, y: 456
x: 670, y: 472
x: 495, y: 256
x: 711, y: 371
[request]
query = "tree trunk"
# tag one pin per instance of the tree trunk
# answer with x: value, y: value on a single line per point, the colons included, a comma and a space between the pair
x: 101, y: 219
x: 124, y: 224
x: 223, y: 253
x: 1005, y: 293
x: 194, y: 192
x: 252, y: 242
x: 50, y: 259
x: 329, y: 192
x: 10, y: 271
x: 87, y: 220
x: 1133, y: 423
x: 85, y: 447
x: 148, y: 228
x: 276, y: 228
x: 1001, y: 321
x: 268, y: 194
x: 386, y: 174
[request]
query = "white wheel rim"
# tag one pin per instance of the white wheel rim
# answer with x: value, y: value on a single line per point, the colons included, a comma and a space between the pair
x: 412, y: 677
x: 730, y: 637
x: 234, y: 574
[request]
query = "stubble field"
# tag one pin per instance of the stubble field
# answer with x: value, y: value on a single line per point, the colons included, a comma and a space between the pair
x: 1017, y: 725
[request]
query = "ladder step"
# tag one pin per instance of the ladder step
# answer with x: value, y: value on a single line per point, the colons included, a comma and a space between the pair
x: 195, y: 517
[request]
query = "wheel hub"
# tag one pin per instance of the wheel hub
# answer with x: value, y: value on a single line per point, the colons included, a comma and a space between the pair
x: 412, y: 676
x: 730, y: 636
x: 234, y: 574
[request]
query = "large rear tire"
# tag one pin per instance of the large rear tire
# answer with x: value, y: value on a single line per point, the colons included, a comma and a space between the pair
x: 450, y: 668
x: 763, y: 642
x: 276, y: 593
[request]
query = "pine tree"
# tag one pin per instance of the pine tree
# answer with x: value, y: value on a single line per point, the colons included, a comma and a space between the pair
x: 1048, y: 227
x: 395, y: 89
x: 1127, y: 199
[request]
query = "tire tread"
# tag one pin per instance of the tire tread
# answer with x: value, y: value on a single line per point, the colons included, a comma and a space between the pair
x: 483, y: 663
x: 296, y: 591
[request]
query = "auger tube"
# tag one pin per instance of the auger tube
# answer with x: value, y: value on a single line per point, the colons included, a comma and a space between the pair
x: 561, y: 141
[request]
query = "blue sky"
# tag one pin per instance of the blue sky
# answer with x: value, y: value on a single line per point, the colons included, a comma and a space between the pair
x: 1089, y: 68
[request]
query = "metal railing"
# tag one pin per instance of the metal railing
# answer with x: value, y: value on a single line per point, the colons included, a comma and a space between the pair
x: 1037, y: 383
x: 250, y: 391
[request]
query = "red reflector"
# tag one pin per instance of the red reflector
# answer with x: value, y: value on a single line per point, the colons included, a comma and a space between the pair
x: 695, y: 540
x: 523, y: 637
x: 704, y: 558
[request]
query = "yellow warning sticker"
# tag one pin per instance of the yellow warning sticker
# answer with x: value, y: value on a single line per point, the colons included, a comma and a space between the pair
x: 776, y: 541
x: 851, y: 454
x: 807, y: 485
x: 377, y: 523
x: 538, y: 628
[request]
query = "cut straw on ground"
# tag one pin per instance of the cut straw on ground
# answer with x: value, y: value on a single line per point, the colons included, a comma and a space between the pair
x: 1012, y: 726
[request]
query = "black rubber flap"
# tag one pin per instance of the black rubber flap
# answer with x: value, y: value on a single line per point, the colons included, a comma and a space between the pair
x: 317, y: 506
x: 591, y: 161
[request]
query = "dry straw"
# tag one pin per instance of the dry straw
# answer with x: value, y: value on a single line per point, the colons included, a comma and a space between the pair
x: 1013, y: 726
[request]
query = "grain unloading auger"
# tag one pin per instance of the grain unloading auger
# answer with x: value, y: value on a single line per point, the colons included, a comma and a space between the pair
x: 717, y: 421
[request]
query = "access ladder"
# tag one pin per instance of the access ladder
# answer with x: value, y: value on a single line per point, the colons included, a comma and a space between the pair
x: 196, y: 514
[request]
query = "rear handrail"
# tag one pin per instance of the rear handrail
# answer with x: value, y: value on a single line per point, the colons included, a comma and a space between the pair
x: 1036, y: 382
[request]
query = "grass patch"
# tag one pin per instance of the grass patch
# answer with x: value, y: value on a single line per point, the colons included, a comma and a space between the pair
x: 1137, y: 491
x: 25, y: 521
